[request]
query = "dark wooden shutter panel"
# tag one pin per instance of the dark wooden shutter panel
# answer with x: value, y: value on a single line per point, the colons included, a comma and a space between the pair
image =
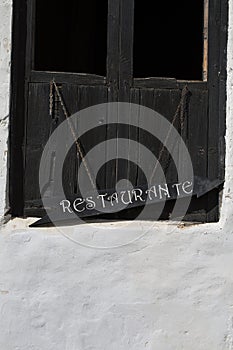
x: 204, y: 120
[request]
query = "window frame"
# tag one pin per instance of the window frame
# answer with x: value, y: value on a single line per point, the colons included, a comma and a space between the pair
x: 119, y: 78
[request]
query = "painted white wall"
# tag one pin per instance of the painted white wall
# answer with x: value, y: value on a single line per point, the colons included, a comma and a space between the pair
x: 167, y: 291
x: 5, y: 56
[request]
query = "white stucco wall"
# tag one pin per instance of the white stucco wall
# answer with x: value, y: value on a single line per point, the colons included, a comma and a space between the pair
x: 5, y: 55
x: 167, y: 291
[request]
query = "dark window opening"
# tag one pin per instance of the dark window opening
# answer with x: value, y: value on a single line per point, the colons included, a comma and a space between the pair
x: 168, y: 39
x: 71, y: 36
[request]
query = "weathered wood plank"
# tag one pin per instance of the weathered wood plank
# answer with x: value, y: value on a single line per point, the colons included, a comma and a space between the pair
x: 133, y: 151
x: 198, y: 131
x: 113, y: 43
x: 93, y: 96
x: 32, y: 165
x: 67, y: 78
x: 205, y: 40
x: 223, y: 86
x: 153, y: 82
x: 39, y: 123
x: 17, y: 109
x: 147, y: 100
x: 125, y: 82
x: 213, y: 86
x: 126, y: 49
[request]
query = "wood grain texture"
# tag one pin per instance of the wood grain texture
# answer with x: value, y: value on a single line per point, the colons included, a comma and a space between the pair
x: 31, y: 124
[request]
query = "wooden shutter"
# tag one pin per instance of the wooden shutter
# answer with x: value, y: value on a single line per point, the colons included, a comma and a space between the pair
x: 204, y: 122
